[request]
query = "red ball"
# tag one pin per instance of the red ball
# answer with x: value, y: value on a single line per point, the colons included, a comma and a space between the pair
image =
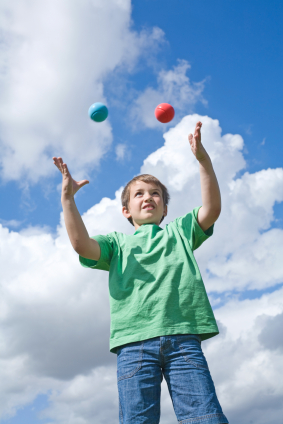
x: 164, y: 113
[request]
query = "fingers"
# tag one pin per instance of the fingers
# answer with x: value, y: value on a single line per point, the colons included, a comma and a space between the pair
x: 60, y: 165
x: 197, y: 136
x: 197, y: 131
x: 65, y: 169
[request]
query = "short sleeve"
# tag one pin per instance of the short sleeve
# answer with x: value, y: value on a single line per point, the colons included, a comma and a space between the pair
x: 189, y: 226
x: 106, y: 244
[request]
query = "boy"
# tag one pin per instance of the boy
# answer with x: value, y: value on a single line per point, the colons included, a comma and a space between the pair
x: 160, y: 311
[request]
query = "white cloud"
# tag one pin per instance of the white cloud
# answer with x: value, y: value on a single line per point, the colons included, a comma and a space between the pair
x: 122, y: 152
x: 55, y: 314
x: 92, y: 395
x: 174, y: 87
x: 54, y: 60
x: 13, y: 223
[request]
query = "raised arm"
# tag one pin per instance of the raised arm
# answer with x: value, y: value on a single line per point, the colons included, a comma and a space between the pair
x: 77, y: 232
x: 210, y: 193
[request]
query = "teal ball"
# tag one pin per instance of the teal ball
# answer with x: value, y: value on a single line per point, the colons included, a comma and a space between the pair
x: 98, y: 112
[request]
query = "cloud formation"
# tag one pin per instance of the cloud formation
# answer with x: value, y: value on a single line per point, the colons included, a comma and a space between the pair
x: 173, y: 87
x: 54, y: 59
x: 122, y: 152
x: 55, y: 314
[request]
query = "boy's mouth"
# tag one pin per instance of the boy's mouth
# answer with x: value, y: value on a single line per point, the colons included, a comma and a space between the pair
x: 148, y: 207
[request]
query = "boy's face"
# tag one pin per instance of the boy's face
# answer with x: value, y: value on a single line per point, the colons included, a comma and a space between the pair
x: 145, y: 205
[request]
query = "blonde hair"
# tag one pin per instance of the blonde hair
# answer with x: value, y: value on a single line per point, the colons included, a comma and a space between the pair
x: 146, y: 178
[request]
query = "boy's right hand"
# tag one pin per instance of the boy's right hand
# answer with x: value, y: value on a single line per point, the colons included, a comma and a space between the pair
x: 69, y: 185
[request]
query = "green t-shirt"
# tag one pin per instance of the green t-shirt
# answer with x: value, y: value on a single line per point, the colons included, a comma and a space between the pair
x: 155, y: 285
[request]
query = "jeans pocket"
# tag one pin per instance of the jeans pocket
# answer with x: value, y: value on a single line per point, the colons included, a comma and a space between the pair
x: 129, y: 360
x: 190, y: 348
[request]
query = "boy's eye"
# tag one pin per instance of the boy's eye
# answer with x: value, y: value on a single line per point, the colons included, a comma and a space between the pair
x: 139, y: 192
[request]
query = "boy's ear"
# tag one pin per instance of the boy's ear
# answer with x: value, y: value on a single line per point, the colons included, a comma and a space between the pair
x: 125, y: 212
x: 165, y: 211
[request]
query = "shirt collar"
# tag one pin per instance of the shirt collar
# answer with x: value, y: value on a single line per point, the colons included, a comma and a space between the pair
x: 147, y: 227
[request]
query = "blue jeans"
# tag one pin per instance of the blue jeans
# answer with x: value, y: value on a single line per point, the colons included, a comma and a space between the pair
x: 140, y: 369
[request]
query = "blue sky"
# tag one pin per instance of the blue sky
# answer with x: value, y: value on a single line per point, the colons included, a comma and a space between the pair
x: 58, y: 58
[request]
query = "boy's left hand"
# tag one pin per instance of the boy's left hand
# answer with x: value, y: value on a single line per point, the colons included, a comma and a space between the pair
x: 196, y: 145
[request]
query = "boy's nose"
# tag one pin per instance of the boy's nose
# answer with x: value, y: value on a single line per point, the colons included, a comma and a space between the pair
x: 148, y: 201
x: 148, y: 198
